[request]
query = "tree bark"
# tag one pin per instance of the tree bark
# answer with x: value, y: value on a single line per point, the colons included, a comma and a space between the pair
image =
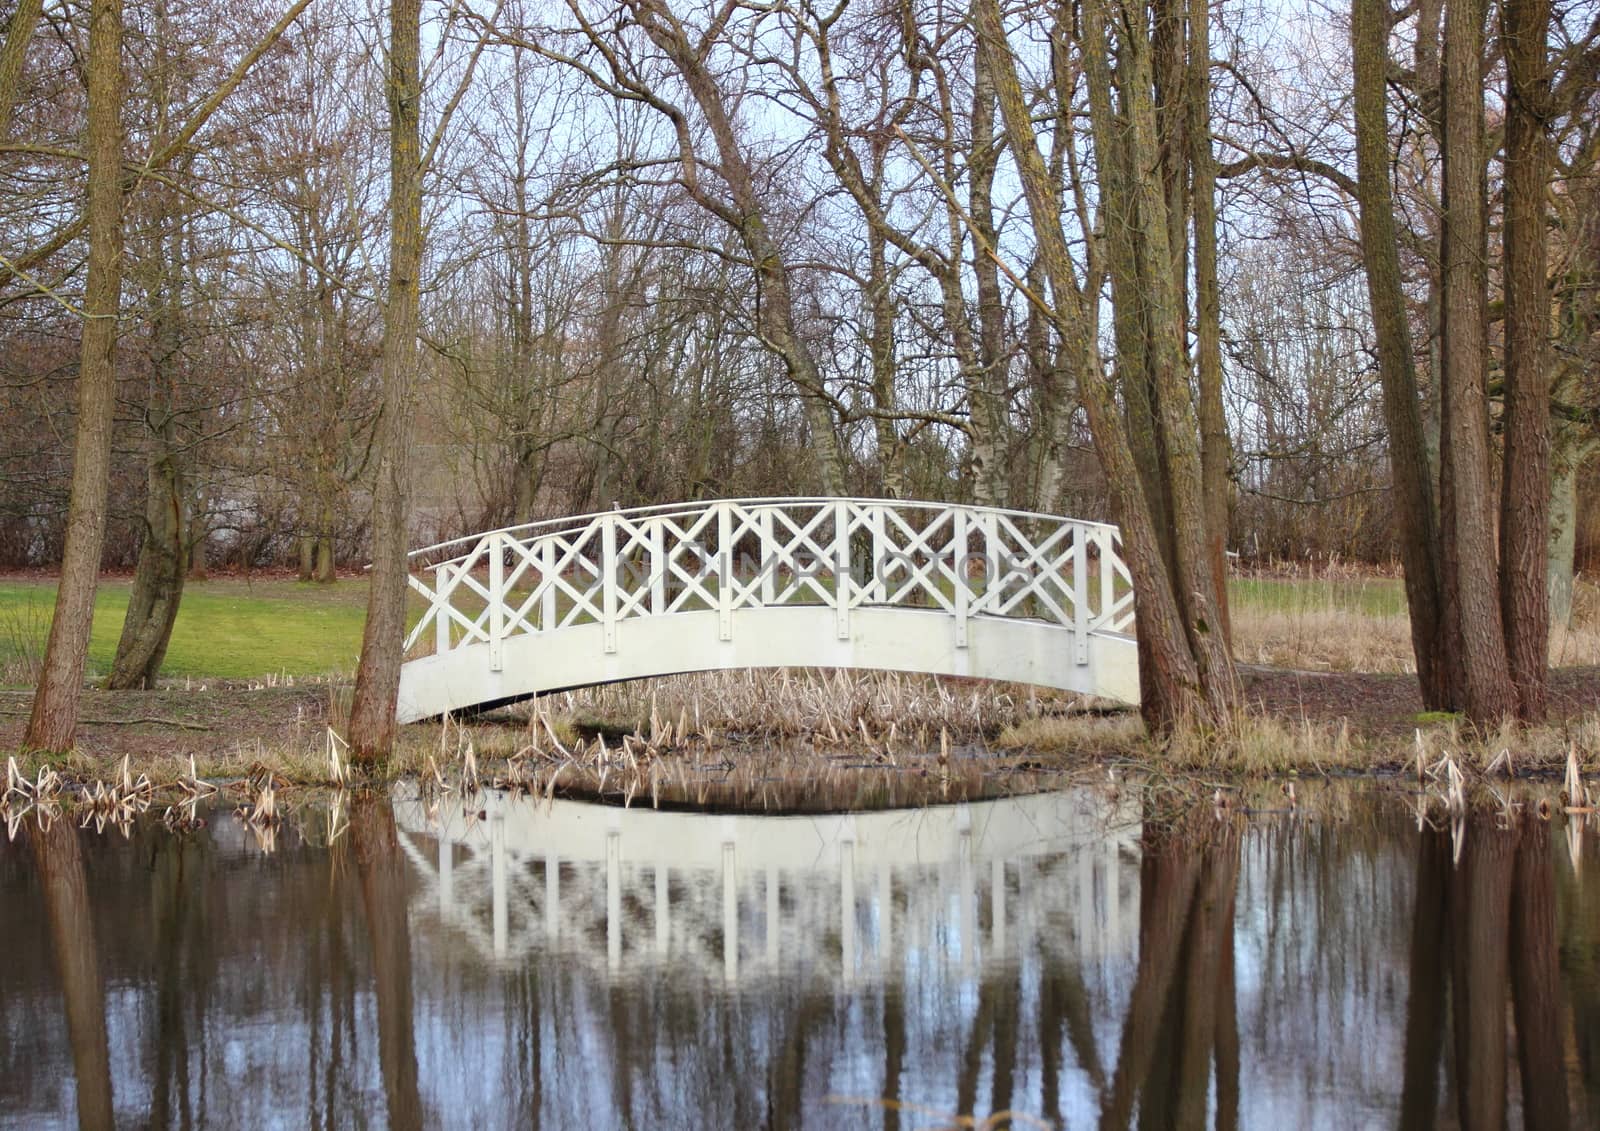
x: 1216, y: 454
x: 775, y: 319
x: 1467, y: 521
x: 1178, y: 681
x: 986, y: 390
x: 163, y: 563
x: 19, y: 33
x: 372, y: 707
x: 1561, y: 563
x: 1416, y: 517
x: 1156, y: 278
x: 157, y: 579
x: 52, y: 724
x: 1526, y: 478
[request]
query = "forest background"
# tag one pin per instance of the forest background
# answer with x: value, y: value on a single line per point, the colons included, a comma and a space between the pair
x: 921, y: 250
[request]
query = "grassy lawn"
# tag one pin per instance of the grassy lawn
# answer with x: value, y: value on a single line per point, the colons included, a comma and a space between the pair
x: 227, y: 628
x: 231, y: 628
x: 1365, y: 596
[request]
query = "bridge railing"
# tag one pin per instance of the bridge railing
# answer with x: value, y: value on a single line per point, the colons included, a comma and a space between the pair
x: 732, y: 554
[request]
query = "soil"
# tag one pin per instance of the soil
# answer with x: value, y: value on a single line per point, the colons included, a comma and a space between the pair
x: 1382, y: 705
x: 197, y: 718
x: 227, y: 716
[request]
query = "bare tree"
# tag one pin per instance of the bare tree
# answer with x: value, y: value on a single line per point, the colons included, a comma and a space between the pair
x: 54, y: 718
x: 372, y: 707
x: 1185, y: 669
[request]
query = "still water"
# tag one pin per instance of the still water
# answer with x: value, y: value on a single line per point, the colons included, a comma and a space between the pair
x: 528, y: 963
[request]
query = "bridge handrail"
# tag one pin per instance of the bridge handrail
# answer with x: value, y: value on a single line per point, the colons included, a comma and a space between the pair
x: 667, y: 510
x: 613, y: 566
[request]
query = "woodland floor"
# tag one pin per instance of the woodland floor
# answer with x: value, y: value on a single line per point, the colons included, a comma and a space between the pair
x: 234, y: 717
x: 1380, y: 704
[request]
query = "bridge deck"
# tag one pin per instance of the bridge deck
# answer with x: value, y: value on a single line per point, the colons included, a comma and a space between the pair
x: 851, y: 583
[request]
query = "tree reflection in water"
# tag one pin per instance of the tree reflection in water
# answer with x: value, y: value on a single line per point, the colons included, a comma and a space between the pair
x: 59, y: 860
x: 1181, y: 1016
x: 1238, y: 973
x: 385, y: 900
x: 1490, y: 921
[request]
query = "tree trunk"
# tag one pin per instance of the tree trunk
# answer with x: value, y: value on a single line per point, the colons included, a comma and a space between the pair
x: 986, y: 402
x: 1564, y: 529
x: 1158, y: 269
x: 1416, y: 518
x: 19, y: 33
x: 53, y: 721
x: 775, y: 319
x: 199, y: 538
x: 1467, y: 520
x: 880, y: 298
x: 372, y: 707
x: 1216, y: 454
x: 164, y: 552
x: 1526, y: 478
x: 1177, y: 681
x: 157, y: 580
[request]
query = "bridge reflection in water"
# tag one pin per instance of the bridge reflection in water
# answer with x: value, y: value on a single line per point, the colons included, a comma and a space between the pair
x: 841, y: 897
x: 1327, y: 969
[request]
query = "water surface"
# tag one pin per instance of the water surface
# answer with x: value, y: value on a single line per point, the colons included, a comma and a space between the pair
x: 523, y: 963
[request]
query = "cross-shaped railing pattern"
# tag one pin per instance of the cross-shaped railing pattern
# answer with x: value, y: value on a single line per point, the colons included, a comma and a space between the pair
x: 732, y: 554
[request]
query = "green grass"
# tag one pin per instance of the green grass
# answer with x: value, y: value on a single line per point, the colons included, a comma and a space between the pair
x: 1368, y: 596
x: 231, y: 628
x: 226, y: 629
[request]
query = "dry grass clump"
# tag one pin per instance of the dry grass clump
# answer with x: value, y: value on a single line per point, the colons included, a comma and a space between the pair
x: 1252, y: 743
x: 832, y: 708
x: 1350, y: 624
x: 1323, y: 639
x: 1577, y: 643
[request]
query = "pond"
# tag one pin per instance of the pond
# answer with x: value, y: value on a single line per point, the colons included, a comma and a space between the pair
x: 560, y: 964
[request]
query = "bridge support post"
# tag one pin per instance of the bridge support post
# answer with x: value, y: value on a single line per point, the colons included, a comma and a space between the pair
x: 497, y: 602
x: 841, y: 566
x: 724, y: 572
x: 958, y: 575
x: 1080, y: 594
x: 608, y: 584
x: 441, y: 614
x: 548, y: 575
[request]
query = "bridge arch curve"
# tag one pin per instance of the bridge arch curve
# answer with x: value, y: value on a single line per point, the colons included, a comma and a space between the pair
x: 872, y: 584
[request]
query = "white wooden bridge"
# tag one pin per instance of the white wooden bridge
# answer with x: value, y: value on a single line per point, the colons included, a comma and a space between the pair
x: 759, y: 583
